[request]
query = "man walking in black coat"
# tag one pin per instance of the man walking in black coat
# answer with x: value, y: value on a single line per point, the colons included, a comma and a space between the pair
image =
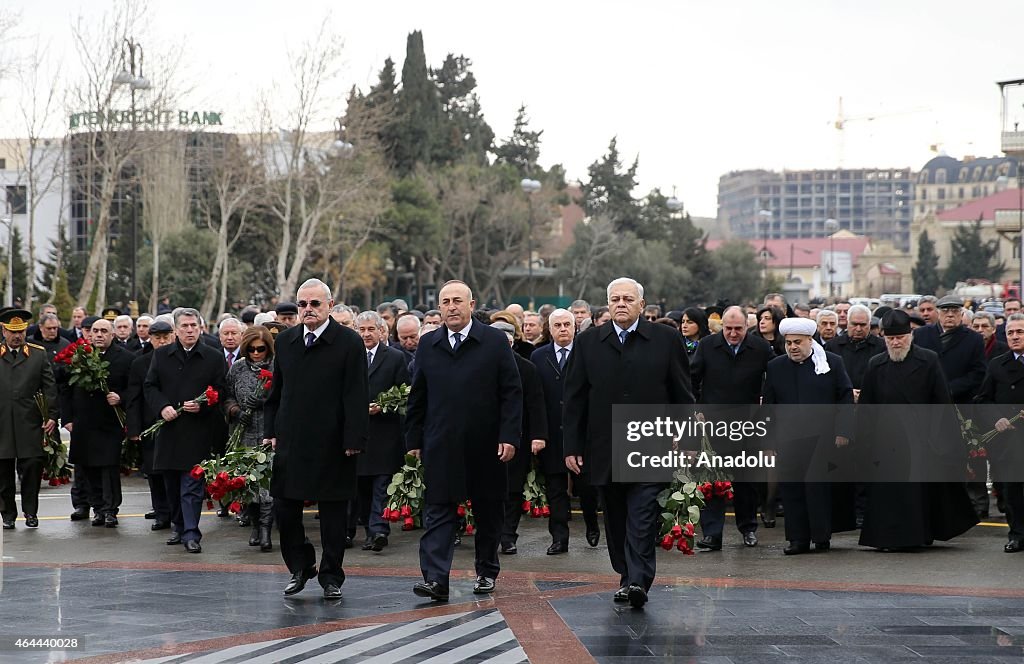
x: 316, y: 417
x: 535, y: 435
x: 96, y: 431
x: 551, y: 360
x: 464, y: 420
x: 385, y: 448
x: 140, y: 415
x: 180, y: 372
x: 630, y: 361
x: 728, y: 369
x: 857, y: 346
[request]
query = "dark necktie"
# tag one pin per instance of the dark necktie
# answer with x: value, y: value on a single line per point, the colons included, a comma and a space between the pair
x: 231, y: 359
x: 369, y: 358
x: 562, y: 353
x: 310, y: 338
x: 458, y: 340
x: 623, y: 335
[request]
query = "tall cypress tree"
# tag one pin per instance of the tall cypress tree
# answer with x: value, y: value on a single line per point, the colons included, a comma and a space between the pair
x: 418, y: 110
x: 926, y: 271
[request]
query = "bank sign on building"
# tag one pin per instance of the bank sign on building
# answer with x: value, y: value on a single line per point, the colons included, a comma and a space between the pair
x: 145, y: 117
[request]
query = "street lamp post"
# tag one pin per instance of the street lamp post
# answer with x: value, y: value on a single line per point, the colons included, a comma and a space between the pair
x: 8, y: 221
x: 831, y: 225
x: 1020, y: 208
x: 530, y: 187
x: 132, y: 76
x: 766, y: 218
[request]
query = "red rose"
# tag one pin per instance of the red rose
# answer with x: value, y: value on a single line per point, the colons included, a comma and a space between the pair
x: 267, y: 384
x: 266, y: 374
x: 526, y: 505
x: 53, y: 482
x: 469, y: 503
x: 408, y: 523
x: 461, y: 510
x: 235, y: 507
x: 209, y: 504
x: 545, y: 511
x: 666, y: 542
x: 688, y: 530
x: 395, y: 516
x: 469, y: 529
x: 982, y: 453
x: 211, y: 396
x: 197, y: 472
x: 406, y: 511
x: 682, y: 545
x: 535, y: 512
x: 223, y: 476
x: 973, y: 454
x: 676, y: 532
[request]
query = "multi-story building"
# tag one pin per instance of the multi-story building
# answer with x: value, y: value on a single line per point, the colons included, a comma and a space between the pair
x: 945, y: 183
x: 873, y: 202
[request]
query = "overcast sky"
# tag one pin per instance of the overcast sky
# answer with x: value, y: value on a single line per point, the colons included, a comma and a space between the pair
x: 696, y: 89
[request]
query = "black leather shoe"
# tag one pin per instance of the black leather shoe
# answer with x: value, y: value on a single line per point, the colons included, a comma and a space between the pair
x: 368, y: 544
x: 31, y: 521
x: 509, y: 548
x: 750, y: 539
x: 709, y: 543
x: 621, y: 595
x: 150, y: 515
x: 80, y: 515
x: 193, y: 546
x: 557, y: 548
x: 299, y: 580
x: 332, y: 591
x: 110, y: 521
x: 244, y: 521
x: 175, y: 538
x: 160, y: 525
x: 637, y: 596
x: 484, y: 585
x: 349, y: 543
x: 222, y: 512
x: 380, y: 540
x: 254, y: 537
x: 766, y: 522
x: 796, y: 548
x: 593, y: 536
x: 9, y: 525
x: 822, y: 546
x: 458, y: 539
x: 1013, y: 546
x: 99, y: 520
x: 431, y: 590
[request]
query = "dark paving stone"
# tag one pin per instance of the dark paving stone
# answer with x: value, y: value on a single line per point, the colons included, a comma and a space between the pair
x: 558, y: 585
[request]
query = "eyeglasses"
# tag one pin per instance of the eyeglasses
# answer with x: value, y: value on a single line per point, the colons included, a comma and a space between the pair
x: 312, y: 303
x: 651, y: 317
x: 257, y: 349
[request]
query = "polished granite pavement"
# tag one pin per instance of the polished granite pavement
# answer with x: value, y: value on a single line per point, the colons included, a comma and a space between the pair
x: 129, y: 597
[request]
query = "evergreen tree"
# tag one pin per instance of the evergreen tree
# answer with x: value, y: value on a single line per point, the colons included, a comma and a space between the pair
x: 609, y: 192
x: 926, y: 271
x: 418, y: 113
x: 971, y: 257
x: 522, y: 149
x: 463, y: 132
x: 20, y: 266
x: 60, y: 258
x: 61, y: 297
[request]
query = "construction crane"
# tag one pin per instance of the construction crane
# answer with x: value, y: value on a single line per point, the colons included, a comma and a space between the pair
x: 841, y: 119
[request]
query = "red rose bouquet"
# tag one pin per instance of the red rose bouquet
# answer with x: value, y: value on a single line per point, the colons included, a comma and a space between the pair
x: 682, y: 501
x: 239, y: 477
x: 87, y: 370
x: 535, y: 499
x: 210, y: 397
x: 55, y: 471
x: 977, y: 442
x: 405, y: 495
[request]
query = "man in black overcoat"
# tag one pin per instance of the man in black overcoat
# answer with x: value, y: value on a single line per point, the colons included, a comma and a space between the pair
x: 857, y: 346
x: 961, y: 353
x: 464, y: 420
x: 385, y: 447
x: 535, y: 435
x: 728, y: 369
x: 903, y: 514
x: 630, y: 361
x: 96, y: 431
x: 178, y: 373
x: 140, y: 415
x: 808, y: 375
x: 551, y: 360
x: 1004, y: 385
x: 316, y: 417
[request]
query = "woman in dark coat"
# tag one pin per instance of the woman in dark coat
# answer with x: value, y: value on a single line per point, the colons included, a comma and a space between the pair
x: 768, y: 319
x: 244, y: 396
x: 694, y: 327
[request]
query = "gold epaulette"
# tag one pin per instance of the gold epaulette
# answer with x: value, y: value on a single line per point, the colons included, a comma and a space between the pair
x: 36, y: 346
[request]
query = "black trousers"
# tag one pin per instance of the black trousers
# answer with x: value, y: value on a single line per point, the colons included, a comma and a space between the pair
x: 632, y: 519
x: 437, y: 545
x: 556, y: 487
x: 298, y: 551
x: 1013, y: 499
x: 80, y: 490
x: 30, y: 471
x: 104, y: 488
x: 744, y: 503
x: 373, y: 496
x: 157, y: 486
x: 808, y: 508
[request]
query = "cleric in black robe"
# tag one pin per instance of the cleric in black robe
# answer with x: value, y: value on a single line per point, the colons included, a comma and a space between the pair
x: 807, y: 438
x: 904, y: 514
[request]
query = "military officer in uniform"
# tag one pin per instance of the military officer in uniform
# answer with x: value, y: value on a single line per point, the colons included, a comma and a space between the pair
x: 24, y: 371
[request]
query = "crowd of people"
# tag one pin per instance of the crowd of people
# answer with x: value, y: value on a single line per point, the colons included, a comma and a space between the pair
x: 494, y: 394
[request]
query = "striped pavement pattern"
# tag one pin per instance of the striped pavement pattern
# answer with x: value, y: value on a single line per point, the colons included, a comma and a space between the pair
x: 474, y: 636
